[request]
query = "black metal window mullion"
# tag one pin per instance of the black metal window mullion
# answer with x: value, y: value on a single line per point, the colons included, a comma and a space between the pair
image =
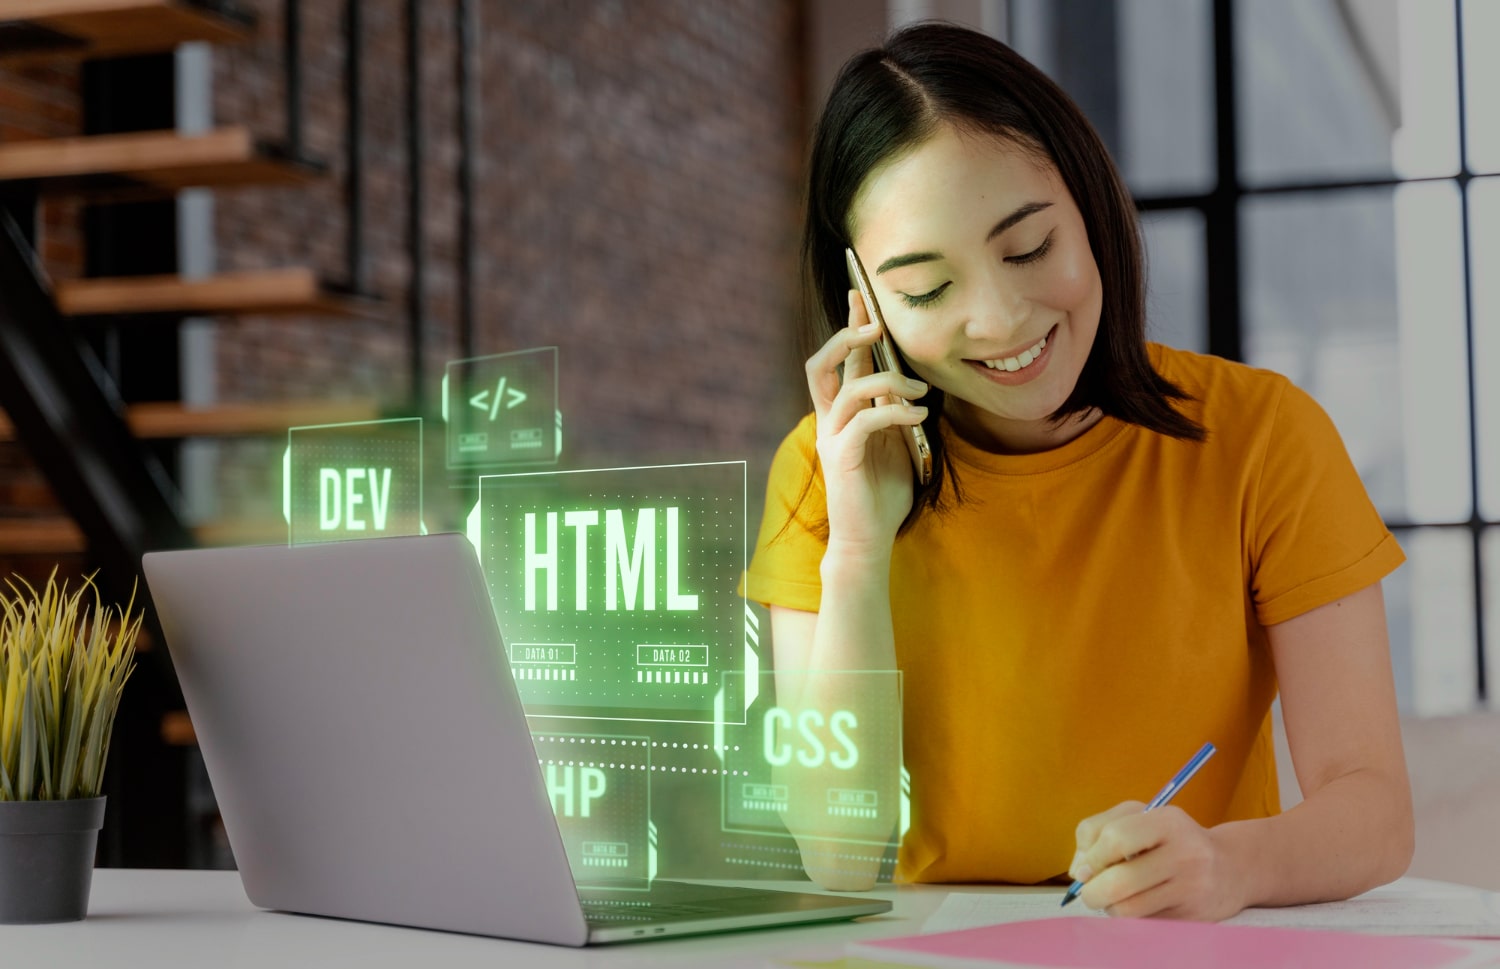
x: 1222, y: 209
x: 1476, y: 522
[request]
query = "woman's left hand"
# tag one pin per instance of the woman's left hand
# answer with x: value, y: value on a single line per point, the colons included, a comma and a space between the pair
x: 1160, y: 863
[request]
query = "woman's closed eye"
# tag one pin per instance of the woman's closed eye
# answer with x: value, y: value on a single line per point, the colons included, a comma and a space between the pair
x: 933, y: 295
x: 1034, y: 254
x: 924, y: 299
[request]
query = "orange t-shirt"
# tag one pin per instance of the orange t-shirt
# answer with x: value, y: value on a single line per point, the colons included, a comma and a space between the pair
x: 1091, y: 615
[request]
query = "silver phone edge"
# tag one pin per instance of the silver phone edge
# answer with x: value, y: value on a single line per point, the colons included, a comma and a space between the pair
x: 915, y: 435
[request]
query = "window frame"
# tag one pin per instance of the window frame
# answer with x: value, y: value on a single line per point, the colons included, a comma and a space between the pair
x: 1220, y: 209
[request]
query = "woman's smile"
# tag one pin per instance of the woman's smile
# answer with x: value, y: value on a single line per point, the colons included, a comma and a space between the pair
x: 1013, y: 370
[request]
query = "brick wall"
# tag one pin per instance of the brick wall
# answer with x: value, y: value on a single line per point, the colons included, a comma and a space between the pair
x: 40, y: 102
x: 43, y: 101
x: 637, y: 205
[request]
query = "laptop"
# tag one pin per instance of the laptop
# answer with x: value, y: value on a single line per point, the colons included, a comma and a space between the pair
x: 371, y: 759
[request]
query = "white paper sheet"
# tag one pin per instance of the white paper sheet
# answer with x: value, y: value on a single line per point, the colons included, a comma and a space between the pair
x: 1392, y: 910
x: 1472, y: 915
x: 967, y: 910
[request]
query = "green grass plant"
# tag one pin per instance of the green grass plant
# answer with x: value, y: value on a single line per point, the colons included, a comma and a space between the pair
x: 64, y: 660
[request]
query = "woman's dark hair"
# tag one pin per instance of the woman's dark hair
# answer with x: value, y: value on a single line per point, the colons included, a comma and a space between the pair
x: 889, y: 100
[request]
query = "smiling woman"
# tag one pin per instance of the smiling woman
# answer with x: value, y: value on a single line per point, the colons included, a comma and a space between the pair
x: 1147, y: 543
x: 1013, y: 303
x: 942, y: 147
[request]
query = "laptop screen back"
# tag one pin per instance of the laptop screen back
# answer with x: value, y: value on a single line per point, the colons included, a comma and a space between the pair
x: 363, y: 734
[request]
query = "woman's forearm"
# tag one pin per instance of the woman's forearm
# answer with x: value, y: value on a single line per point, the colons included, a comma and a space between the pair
x: 1352, y: 834
x: 853, y: 635
x: 854, y: 617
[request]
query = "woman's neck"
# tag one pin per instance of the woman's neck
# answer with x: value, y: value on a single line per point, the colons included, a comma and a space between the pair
x: 1000, y: 435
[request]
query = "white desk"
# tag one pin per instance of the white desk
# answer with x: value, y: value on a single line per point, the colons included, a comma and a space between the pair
x: 165, y: 919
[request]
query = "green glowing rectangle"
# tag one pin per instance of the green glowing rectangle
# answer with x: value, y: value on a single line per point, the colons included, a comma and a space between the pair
x: 628, y: 564
x: 550, y: 654
x: 846, y: 797
x: 600, y: 790
x: 765, y: 792
x: 501, y: 410
x: 352, y: 481
x: 606, y: 849
x: 829, y: 769
x: 653, y: 654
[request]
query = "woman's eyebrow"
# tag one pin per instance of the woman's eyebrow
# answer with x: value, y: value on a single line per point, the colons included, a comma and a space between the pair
x: 912, y: 258
x: 1030, y: 208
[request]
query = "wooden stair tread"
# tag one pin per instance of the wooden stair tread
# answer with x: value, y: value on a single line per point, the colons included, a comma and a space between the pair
x: 25, y: 489
x: 59, y: 535
x: 237, y: 532
x: 177, y: 729
x: 265, y: 291
x: 145, y: 163
x: 48, y: 29
x: 48, y: 535
x: 171, y: 419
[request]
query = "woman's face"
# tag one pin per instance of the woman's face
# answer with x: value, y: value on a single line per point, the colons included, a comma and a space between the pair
x: 981, y: 264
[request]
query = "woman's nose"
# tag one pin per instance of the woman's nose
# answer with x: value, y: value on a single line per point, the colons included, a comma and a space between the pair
x: 1000, y: 316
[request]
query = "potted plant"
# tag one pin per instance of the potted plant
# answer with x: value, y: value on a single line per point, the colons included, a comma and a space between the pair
x: 64, y: 661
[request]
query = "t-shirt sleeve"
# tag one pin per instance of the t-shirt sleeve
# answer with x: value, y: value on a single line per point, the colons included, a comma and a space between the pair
x: 1316, y: 535
x: 785, y: 570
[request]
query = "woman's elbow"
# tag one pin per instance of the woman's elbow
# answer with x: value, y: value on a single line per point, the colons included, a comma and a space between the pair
x: 836, y: 867
x: 1401, y: 839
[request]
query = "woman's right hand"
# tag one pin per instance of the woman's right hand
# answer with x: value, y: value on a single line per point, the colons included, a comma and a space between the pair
x: 867, y: 471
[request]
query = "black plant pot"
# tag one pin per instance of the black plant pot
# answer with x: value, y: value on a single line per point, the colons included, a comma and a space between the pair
x: 47, y: 858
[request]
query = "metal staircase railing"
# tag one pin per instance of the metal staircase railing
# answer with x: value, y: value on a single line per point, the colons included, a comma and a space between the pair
x: 57, y: 396
x: 65, y: 418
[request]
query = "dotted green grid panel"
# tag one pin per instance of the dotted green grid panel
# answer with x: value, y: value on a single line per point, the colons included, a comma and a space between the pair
x: 608, y: 680
x: 830, y: 805
x: 502, y: 409
x: 611, y: 845
x: 396, y: 446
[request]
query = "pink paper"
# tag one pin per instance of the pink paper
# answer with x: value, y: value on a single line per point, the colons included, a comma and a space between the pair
x: 1107, y: 943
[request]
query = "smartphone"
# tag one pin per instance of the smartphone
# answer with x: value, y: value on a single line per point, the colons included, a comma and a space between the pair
x: 884, y: 352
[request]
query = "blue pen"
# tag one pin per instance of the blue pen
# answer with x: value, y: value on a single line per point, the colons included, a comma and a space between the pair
x: 1162, y: 797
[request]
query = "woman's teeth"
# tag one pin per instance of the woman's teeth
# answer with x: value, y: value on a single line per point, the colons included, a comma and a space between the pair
x: 1017, y: 363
